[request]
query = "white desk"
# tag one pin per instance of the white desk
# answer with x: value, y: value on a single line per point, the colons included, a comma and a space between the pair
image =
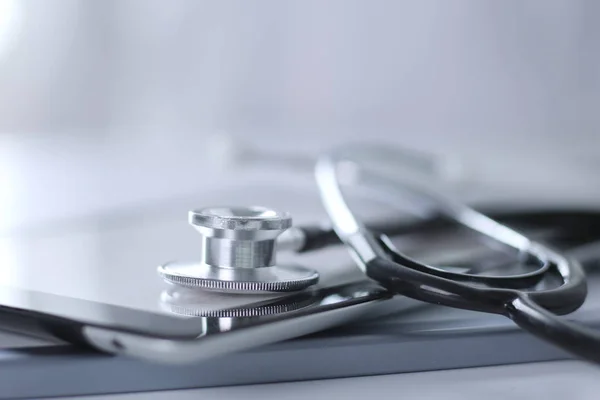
x: 550, y: 380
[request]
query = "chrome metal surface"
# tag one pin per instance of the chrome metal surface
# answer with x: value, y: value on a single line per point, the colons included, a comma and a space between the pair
x: 238, y: 253
x: 184, y: 301
x: 192, y: 351
x: 255, y: 280
x: 240, y: 223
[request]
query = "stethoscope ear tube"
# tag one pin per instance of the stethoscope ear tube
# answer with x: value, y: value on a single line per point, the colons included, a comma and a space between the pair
x: 518, y: 306
x: 536, y: 311
x: 574, y: 338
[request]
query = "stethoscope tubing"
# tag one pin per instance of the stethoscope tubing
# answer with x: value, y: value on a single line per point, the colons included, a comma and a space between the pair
x: 533, y: 310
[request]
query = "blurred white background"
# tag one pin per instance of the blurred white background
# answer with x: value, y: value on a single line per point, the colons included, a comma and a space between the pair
x: 113, y: 102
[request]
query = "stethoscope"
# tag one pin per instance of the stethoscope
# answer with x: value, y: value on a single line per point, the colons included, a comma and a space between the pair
x: 240, y: 245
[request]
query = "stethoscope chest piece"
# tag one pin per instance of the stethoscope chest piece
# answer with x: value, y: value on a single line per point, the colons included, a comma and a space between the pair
x: 238, y: 253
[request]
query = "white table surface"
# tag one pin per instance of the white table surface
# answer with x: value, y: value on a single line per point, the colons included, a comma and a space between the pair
x: 548, y: 380
x: 545, y: 380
